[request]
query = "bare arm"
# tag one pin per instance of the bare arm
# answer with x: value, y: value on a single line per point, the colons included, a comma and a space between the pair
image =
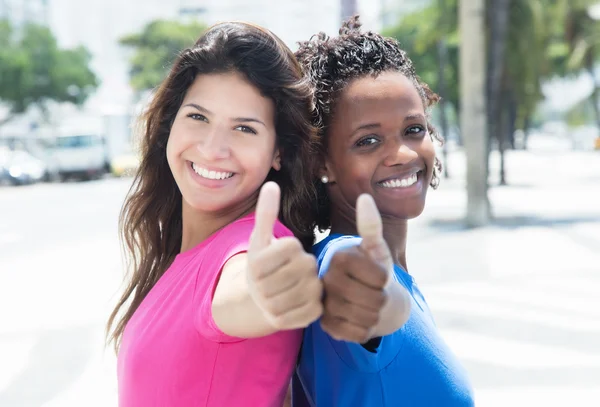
x: 273, y: 287
x: 276, y: 290
x: 233, y: 309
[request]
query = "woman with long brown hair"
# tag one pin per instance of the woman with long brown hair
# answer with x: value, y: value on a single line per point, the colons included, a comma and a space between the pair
x: 220, y: 284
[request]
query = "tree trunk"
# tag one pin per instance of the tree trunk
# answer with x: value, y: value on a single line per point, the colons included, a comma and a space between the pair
x: 442, y: 53
x: 497, y: 16
x: 503, y: 125
x: 526, y: 129
x: 512, y: 120
x: 594, y: 97
x: 473, y: 108
x: 348, y: 8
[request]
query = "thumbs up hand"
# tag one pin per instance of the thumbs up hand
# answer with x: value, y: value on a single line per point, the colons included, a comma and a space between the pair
x: 282, y: 278
x: 362, y: 299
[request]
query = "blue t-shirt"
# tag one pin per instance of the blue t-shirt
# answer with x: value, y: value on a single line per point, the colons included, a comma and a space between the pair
x: 411, y: 367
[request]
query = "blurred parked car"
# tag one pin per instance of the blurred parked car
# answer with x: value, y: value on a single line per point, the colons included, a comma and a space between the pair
x: 124, y: 165
x: 19, y: 167
x: 79, y: 156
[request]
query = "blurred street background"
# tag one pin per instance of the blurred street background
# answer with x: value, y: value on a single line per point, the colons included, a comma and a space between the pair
x: 507, y: 251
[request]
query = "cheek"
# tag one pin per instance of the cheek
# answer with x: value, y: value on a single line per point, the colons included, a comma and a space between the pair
x: 255, y: 154
x: 356, y: 172
x: 428, y: 152
x: 169, y: 151
x: 173, y: 149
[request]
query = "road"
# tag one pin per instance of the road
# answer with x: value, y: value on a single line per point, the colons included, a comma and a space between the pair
x: 59, y: 274
x: 518, y: 301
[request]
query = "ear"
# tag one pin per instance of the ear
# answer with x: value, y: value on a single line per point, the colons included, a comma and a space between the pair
x: 276, y: 164
x: 325, y: 170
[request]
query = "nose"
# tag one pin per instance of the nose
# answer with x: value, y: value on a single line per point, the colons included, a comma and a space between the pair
x: 401, y: 154
x: 214, y: 145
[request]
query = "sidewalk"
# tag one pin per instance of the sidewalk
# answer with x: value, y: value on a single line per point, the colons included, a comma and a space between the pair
x: 519, y: 300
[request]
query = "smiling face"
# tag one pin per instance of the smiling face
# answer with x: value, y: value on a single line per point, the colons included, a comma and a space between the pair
x: 378, y: 144
x: 222, y: 143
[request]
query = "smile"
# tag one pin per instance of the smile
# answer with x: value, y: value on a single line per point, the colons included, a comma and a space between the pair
x: 209, y: 174
x: 400, y: 182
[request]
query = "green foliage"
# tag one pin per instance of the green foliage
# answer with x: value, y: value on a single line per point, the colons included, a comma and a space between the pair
x: 546, y: 38
x: 155, y: 48
x: 419, y: 34
x: 34, y: 71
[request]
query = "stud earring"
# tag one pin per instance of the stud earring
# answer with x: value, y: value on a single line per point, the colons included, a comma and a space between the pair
x: 324, y: 179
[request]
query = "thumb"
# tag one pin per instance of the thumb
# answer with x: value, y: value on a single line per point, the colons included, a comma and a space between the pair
x: 370, y: 228
x: 267, y: 211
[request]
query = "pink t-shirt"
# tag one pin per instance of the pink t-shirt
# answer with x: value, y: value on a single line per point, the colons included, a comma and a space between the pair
x: 172, y: 353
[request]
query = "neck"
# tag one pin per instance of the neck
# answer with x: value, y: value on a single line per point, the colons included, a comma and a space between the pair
x: 395, y: 233
x: 198, y: 226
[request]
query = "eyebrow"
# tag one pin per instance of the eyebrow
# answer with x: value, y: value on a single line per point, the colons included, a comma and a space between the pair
x: 368, y: 126
x: 248, y: 119
x: 235, y: 119
x: 371, y: 126
x: 198, y: 107
x: 416, y: 116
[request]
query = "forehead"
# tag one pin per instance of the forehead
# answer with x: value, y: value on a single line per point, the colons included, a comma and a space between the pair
x: 229, y: 92
x: 389, y: 91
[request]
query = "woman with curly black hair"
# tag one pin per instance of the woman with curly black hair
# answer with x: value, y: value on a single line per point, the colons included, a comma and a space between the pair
x: 376, y: 343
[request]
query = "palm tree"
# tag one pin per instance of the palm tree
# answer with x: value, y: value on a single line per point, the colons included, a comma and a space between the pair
x: 583, y: 37
x: 497, y: 18
x: 473, y: 108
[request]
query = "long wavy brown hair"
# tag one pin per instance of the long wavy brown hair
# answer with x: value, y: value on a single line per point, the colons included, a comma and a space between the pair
x: 150, y: 223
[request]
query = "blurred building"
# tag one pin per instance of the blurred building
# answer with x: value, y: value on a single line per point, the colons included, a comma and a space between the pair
x: 19, y: 12
x: 99, y: 24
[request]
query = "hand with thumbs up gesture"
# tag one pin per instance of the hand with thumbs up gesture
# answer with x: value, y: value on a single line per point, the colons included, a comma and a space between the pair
x: 282, y: 278
x: 362, y: 298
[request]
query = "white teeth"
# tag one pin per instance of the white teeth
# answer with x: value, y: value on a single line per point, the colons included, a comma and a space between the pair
x: 400, y: 183
x: 203, y: 172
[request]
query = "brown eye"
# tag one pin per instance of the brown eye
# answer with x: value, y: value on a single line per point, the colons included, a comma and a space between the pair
x: 415, y: 130
x: 197, y: 116
x: 246, y: 129
x: 367, y: 141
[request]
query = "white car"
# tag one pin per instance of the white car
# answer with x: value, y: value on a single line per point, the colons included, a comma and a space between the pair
x: 18, y: 167
x: 81, y: 156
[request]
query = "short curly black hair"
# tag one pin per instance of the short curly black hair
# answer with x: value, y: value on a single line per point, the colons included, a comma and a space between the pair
x: 330, y: 63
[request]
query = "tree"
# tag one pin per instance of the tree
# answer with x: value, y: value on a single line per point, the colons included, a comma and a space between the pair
x: 497, y: 21
x: 420, y: 34
x: 473, y: 108
x: 582, y: 35
x: 34, y: 71
x: 525, y: 43
x: 155, y: 48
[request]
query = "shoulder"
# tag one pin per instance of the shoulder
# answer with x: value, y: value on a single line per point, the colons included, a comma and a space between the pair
x: 241, y: 229
x: 236, y: 236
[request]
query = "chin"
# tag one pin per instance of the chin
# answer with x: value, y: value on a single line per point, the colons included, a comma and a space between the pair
x: 206, y: 206
x: 406, y: 215
x: 415, y: 214
x: 404, y: 210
